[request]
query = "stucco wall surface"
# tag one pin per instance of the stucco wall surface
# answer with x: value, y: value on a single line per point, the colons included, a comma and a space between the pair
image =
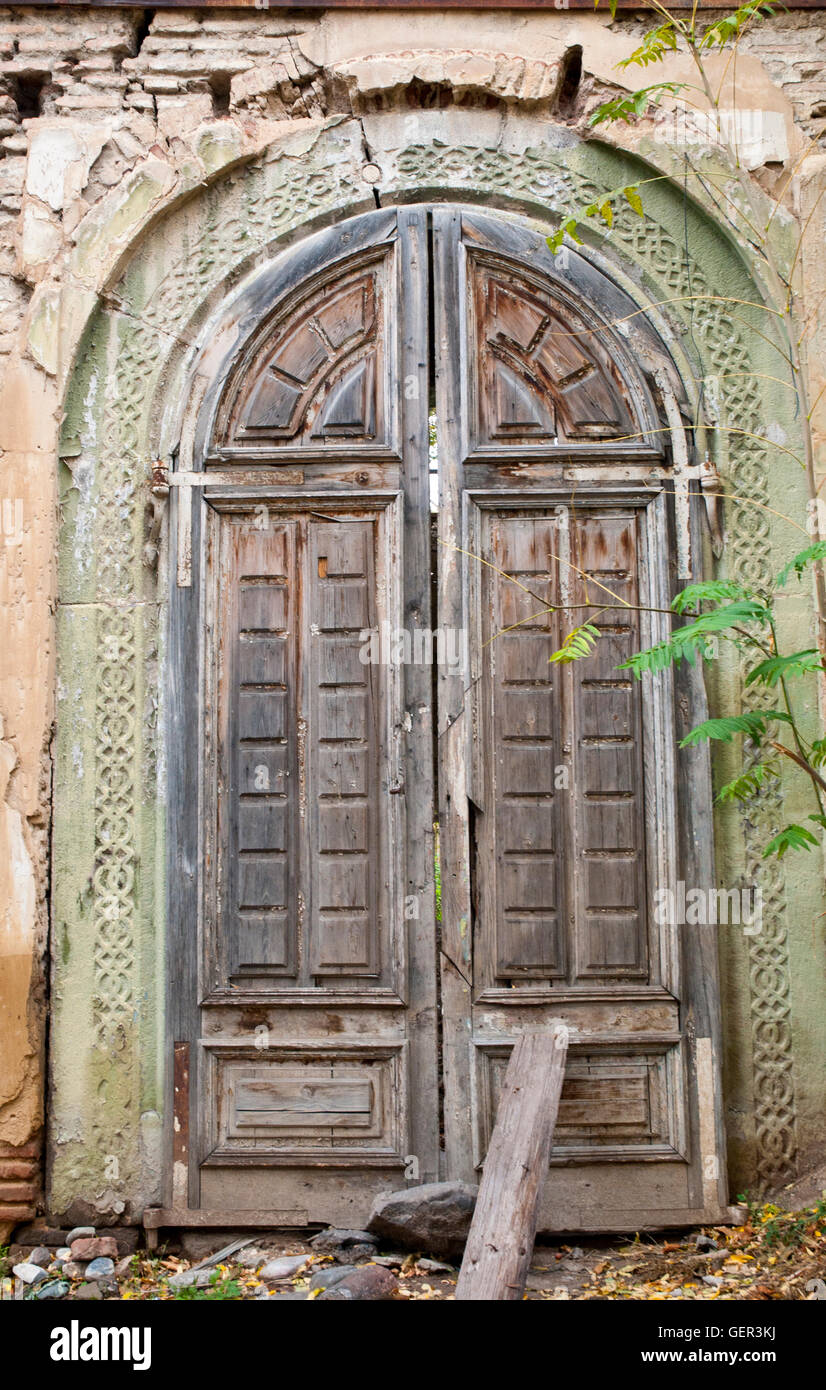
x: 139, y: 148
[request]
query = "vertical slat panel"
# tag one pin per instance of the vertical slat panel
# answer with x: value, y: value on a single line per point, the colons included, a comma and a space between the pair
x: 417, y: 803
x: 184, y: 719
x: 524, y: 810
x: 453, y: 714
x: 261, y: 804
x: 345, y: 903
x: 608, y: 769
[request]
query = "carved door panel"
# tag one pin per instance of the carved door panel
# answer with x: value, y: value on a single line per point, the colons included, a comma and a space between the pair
x: 304, y: 1006
x: 560, y: 815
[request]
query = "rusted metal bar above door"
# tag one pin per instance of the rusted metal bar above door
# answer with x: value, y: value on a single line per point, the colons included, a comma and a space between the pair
x: 394, y: 5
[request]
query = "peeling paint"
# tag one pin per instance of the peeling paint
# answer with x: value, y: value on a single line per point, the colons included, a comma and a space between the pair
x: 137, y: 189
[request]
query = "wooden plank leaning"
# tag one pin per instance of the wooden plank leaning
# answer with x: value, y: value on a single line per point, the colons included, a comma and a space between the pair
x: 500, y: 1243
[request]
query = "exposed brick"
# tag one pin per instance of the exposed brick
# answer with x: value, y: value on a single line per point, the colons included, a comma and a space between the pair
x: 18, y: 1192
x: 94, y: 1248
x: 25, y: 1169
x: 14, y: 1212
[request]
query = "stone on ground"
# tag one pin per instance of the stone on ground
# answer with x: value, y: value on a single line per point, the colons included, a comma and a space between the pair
x: 93, y: 1248
x: 88, y: 1292
x: 79, y: 1233
x: 29, y: 1273
x: 371, y: 1283
x: 435, y: 1216
x: 283, y: 1267
x: 101, y: 1268
x: 57, y: 1288
x: 326, y: 1278
x: 250, y: 1258
x: 344, y: 1245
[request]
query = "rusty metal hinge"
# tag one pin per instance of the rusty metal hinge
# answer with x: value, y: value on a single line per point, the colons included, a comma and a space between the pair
x: 158, y: 495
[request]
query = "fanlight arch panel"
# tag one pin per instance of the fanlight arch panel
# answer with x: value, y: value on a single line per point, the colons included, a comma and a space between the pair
x: 542, y: 373
x: 548, y: 361
x: 314, y: 374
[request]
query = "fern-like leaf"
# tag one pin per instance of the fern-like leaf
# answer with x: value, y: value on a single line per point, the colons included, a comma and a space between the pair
x: 744, y: 786
x: 579, y: 643
x: 753, y: 723
x: 777, y: 668
x: 566, y: 228
x: 686, y: 642
x: 711, y: 591
x: 629, y: 106
x: 656, y: 43
x: 793, y: 837
x: 728, y: 27
x: 798, y: 563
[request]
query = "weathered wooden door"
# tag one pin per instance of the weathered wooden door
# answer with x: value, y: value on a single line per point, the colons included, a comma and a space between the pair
x: 560, y: 810
x: 305, y: 1015
x: 314, y: 745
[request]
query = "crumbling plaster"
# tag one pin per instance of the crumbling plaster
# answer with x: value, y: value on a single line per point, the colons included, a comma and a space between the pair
x: 128, y: 134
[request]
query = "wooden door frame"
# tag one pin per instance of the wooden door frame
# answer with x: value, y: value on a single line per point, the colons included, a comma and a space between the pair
x: 455, y: 749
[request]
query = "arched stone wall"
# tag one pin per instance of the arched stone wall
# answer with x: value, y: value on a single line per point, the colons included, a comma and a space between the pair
x: 124, y: 406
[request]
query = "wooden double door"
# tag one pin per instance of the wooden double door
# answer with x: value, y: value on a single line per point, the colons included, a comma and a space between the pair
x: 400, y: 834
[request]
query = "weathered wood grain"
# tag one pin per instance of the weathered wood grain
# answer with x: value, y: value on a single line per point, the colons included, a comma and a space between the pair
x: 305, y: 910
x: 303, y: 940
x: 500, y: 1243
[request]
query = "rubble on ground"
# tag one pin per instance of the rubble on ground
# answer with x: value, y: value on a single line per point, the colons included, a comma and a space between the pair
x: 774, y: 1254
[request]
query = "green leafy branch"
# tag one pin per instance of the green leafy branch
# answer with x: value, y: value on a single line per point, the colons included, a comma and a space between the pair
x: 721, y: 611
x: 579, y: 643
x: 732, y: 612
x: 634, y: 104
x: 602, y: 208
x: 655, y: 45
x: 721, y: 31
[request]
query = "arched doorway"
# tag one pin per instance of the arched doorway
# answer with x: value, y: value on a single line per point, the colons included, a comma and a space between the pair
x: 338, y: 1026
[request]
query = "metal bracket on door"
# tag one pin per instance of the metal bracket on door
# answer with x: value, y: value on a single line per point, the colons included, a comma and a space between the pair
x: 163, y: 479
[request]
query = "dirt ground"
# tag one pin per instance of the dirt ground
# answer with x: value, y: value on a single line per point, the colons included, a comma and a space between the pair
x: 776, y: 1254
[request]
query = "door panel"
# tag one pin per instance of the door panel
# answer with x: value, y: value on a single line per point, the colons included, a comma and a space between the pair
x: 306, y: 901
x: 305, y: 1002
x: 305, y: 836
x: 256, y: 920
x: 567, y: 814
x: 564, y: 769
x: 561, y: 901
x: 320, y: 374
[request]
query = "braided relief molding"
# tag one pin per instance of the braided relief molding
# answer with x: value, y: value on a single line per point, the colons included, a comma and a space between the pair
x: 270, y: 197
x: 537, y: 175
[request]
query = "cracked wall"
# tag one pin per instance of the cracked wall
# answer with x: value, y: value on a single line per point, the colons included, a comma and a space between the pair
x: 109, y: 120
